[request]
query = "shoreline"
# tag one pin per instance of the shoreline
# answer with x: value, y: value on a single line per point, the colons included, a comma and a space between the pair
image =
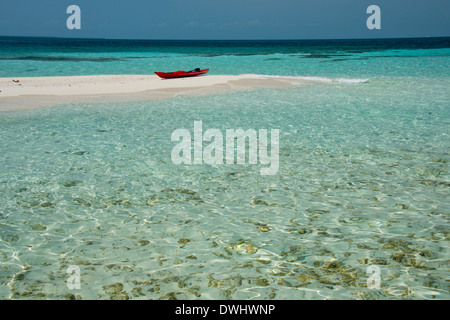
x: 25, y: 93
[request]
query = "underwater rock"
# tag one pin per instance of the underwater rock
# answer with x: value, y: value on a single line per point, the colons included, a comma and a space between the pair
x: 332, y: 264
x: 183, y: 241
x: 186, y: 191
x: 246, y: 247
x: 143, y: 242
x: 303, y: 231
x: 264, y: 229
x: 285, y: 283
x: 408, y: 260
x: 259, y: 202
x: 172, y: 296
x: 262, y: 282
x: 47, y: 204
x: 363, y: 261
x: 397, y: 244
x: 379, y: 261
x: 402, y: 205
x: 38, y: 227
x: 113, y: 289
x: 70, y: 184
x: 137, y: 292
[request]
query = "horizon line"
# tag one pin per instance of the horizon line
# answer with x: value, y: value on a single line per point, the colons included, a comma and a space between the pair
x: 177, y: 39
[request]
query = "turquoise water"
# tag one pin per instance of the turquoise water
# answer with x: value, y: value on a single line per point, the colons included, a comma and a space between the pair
x: 363, y: 181
x: 24, y: 57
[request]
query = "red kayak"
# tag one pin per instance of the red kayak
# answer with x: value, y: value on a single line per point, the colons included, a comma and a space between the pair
x: 181, y: 73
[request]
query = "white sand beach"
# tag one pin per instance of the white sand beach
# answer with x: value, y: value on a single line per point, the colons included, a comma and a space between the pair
x: 33, y: 92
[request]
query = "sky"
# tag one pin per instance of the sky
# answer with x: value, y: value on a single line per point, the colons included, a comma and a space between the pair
x: 225, y: 19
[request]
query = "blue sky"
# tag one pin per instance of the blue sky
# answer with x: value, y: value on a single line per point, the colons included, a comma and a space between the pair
x: 225, y: 19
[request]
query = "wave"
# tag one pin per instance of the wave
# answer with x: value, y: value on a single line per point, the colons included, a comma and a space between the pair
x: 313, y: 79
x: 344, y: 80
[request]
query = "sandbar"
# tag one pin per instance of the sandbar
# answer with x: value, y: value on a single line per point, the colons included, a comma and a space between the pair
x: 22, y: 93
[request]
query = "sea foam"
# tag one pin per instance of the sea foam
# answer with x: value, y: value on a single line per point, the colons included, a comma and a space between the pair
x: 312, y: 79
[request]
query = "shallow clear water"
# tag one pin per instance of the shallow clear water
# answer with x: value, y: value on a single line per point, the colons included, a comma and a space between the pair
x: 363, y: 180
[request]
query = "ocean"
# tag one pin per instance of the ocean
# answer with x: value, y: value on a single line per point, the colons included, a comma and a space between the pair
x: 359, y: 208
